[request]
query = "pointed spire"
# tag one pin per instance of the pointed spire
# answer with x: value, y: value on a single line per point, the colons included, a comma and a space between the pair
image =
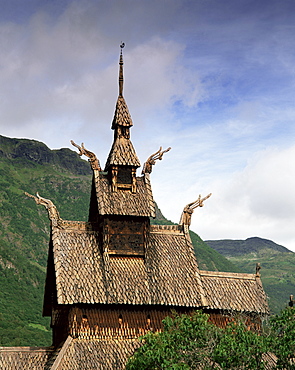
x: 122, y: 152
x: 122, y: 116
x: 121, y: 77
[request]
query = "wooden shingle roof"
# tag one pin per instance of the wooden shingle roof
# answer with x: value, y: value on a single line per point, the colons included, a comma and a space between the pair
x: 73, y: 354
x: 122, y: 116
x: 24, y: 358
x: 80, y: 354
x: 122, y: 202
x: 122, y: 153
x: 234, y: 292
x: 168, y: 275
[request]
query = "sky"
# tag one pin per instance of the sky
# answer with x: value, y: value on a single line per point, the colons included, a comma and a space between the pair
x: 214, y: 80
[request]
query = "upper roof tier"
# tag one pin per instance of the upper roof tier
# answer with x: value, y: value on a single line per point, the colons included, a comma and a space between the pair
x: 122, y: 153
x: 122, y: 116
x: 121, y: 202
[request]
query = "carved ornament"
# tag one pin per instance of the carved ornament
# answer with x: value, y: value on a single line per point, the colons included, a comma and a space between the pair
x: 94, y: 162
x: 53, y: 213
x: 189, y: 209
x: 148, y: 166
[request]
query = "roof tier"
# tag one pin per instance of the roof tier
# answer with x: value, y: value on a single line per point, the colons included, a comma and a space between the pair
x: 122, y: 116
x: 122, y: 202
x: 122, y: 153
x: 25, y: 358
x: 234, y: 292
x: 168, y: 275
x: 157, y: 279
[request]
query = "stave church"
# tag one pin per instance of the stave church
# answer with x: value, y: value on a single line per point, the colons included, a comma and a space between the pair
x: 117, y: 276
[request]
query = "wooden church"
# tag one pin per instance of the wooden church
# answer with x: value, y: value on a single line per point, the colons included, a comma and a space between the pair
x: 115, y: 277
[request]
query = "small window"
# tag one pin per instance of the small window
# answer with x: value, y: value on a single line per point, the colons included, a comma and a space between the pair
x: 124, y: 176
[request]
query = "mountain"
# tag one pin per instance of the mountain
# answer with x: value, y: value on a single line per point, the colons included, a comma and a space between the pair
x: 254, y: 245
x: 277, y: 262
x: 62, y: 176
x: 32, y: 152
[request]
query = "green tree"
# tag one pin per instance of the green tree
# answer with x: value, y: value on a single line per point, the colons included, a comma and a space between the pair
x: 283, y: 338
x: 175, y: 347
x: 239, y: 348
x: 192, y: 342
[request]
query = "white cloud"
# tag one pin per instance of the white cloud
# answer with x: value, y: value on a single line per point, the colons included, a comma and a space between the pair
x: 64, y: 73
x: 258, y: 201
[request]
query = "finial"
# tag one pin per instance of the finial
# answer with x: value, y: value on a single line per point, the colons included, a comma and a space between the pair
x: 189, y: 209
x: 94, y: 162
x: 258, y: 268
x: 53, y: 213
x: 121, y: 79
x: 147, y: 167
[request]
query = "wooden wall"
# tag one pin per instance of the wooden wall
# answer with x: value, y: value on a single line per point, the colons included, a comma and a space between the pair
x: 126, y: 322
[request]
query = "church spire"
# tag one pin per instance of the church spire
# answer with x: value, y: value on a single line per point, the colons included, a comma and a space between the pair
x: 122, y: 160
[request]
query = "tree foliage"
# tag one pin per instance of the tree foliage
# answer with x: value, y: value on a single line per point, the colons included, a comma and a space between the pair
x: 283, y: 338
x: 239, y: 348
x: 192, y: 342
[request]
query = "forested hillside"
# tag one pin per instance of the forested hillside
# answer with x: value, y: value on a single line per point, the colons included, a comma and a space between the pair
x: 59, y: 175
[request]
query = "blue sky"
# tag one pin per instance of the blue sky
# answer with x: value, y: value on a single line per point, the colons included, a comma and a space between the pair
x: 215, y: 80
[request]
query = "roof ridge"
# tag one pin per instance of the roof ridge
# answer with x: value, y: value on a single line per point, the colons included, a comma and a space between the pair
x: 26, y: 349
x: 230, y: 275
x: 166, y: 229
x: 61, y: 353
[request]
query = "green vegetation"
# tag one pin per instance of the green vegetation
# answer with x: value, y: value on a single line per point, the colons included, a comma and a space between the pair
x: 277, y: 276
x: 283, y: 338
x: 192, y: 342
x: 229, y: 247
x: 209, y: 259
x: 24, y: 231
